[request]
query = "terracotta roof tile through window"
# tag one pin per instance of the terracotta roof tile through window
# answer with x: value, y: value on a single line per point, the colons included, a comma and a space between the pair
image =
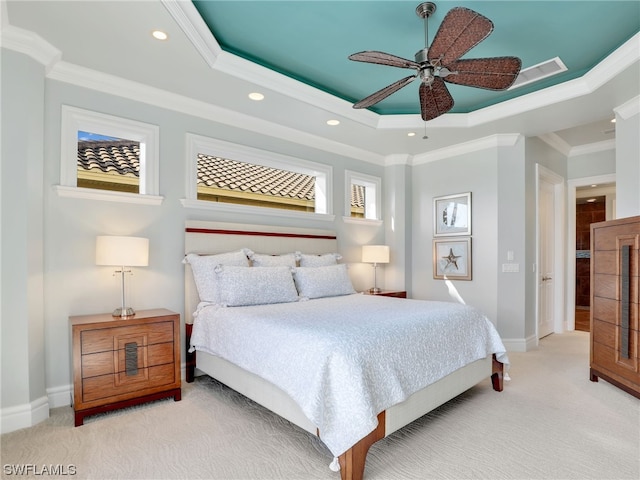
x: 123, y: 157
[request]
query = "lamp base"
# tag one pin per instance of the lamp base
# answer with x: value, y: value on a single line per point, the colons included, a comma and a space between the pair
x: 375, y: 290
x: 123, y: 312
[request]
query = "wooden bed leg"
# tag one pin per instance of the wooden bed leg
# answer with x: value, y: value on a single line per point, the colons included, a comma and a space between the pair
x: 190, y: 358
x: 497, y: 375
x: 352, y: 461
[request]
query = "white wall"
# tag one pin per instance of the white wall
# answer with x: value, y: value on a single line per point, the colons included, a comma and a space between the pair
x: 628, y: 159
x: 591, y: 164
x: 397, y: 209
x: 23, y: 344
x: 474, y: 172
x: 500, y: 173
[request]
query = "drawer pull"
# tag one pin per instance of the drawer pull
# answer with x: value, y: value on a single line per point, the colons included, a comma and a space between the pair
x: 625, y: 268
x: 131, y: 358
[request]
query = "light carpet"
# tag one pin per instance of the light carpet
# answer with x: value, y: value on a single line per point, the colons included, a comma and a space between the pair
x: 550, y: 422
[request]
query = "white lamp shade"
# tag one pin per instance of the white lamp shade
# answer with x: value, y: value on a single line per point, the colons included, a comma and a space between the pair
x: 375, y: 253
x: 122, y: 251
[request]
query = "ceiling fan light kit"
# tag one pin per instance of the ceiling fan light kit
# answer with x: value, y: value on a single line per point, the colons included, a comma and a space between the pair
x: 460, y: 31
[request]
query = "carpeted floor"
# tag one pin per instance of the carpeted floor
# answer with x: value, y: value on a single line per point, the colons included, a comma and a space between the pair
x: 550, y: 422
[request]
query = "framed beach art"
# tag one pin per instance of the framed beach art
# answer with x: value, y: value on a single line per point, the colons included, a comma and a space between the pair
x: 452, y: 215
x: 452, y: 258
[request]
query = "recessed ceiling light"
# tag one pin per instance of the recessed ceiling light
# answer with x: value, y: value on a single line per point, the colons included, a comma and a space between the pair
x: 333, y: 122
x: 256, y: 96
x: 594, y: 185
x: 159, y: 35
x: 613, y: 120
x: 411, y: 134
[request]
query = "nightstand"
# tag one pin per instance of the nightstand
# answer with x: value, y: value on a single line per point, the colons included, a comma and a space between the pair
x: 388, y: 293
x: 120, y: 362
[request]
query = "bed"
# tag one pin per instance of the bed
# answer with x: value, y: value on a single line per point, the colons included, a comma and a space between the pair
x: 382, y: 395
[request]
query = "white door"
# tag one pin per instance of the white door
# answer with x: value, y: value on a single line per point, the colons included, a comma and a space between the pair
x: 546, y: 229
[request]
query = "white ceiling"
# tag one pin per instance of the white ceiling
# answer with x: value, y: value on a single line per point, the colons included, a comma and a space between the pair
x: 113, y: 37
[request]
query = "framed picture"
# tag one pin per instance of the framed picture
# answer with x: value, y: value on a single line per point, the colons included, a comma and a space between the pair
x: 452, y: 215
x: 452, y: 258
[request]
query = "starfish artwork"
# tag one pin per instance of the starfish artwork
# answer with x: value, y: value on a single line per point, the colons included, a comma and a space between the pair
x: 451, y: 259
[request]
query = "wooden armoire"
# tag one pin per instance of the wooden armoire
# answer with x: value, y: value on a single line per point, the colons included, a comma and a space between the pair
x: 615, y: 268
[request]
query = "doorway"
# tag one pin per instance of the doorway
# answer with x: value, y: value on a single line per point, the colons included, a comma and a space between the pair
x: 594, y: 203
x: 590, y: 187
x: 550, y: 221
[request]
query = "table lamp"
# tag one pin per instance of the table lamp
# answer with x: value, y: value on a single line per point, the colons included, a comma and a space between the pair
x: 122, y: 252
x: 375, y: 254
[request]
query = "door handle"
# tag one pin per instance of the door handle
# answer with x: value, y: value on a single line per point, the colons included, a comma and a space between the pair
x: 545, y: 278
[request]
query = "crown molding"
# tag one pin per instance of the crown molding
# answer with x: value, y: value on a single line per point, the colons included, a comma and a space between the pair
x: 628, y: 109
x: 594, y: 147
x: 397, y: 159
x: 112, y: 85
x: 189, y: 20
x: 492, y: 141
x: 556, y: 142
x: 615, y: 63
x: 30, y: 44
x: 191, y: 23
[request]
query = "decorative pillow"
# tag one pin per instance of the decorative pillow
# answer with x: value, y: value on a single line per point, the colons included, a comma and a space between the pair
x: 307, y: 260
x: 267, y: 260
x: 203, y: 270
x: 240, y: 286
x: 327, y: 281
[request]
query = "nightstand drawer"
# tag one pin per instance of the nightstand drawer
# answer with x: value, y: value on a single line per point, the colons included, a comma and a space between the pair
x: 104, y: 339
x: 105, y: 363
x: 116, y: 385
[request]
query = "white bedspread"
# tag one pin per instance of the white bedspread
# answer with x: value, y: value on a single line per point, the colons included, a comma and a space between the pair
x: 346, y: 359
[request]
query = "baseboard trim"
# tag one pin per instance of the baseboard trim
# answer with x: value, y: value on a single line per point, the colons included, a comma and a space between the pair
x: 520, y: 344
x: 60, y: 396
x: 24, y: 416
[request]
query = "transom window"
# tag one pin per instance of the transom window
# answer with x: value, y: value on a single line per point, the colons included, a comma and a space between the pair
x: 226, y: 173
x: 230, y: 181
x: 363, y: 194
x: 108, y: 158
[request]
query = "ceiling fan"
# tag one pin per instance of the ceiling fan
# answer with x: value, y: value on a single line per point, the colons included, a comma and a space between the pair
x: 460, y: 31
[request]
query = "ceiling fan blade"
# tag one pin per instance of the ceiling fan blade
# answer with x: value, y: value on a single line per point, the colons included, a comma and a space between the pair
x: 434, y: 99
x: 497, y: 73
x: 382, y: 58
x: 384, y: 92
x: 460, y: 31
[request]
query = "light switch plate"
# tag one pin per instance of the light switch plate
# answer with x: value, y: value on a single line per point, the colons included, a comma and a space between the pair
x: 510, y: 267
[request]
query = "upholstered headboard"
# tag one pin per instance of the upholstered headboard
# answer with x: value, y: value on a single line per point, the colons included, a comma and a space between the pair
x: 216, y: 237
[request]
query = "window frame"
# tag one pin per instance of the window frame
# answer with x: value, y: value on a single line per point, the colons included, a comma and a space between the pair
x: 199, y: 144
x: 74, y: 119
x: 373, y: 197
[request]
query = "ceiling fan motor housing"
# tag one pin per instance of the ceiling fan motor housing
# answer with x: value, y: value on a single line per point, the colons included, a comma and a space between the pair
x: 421, y: 55
x: 425, y: 9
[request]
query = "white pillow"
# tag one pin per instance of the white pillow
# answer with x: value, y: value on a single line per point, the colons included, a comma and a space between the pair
x: 307, y: 260
x: 267, y: 260
x: 203, y: 271
x: 327, y: 281
x: 240, y: 286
